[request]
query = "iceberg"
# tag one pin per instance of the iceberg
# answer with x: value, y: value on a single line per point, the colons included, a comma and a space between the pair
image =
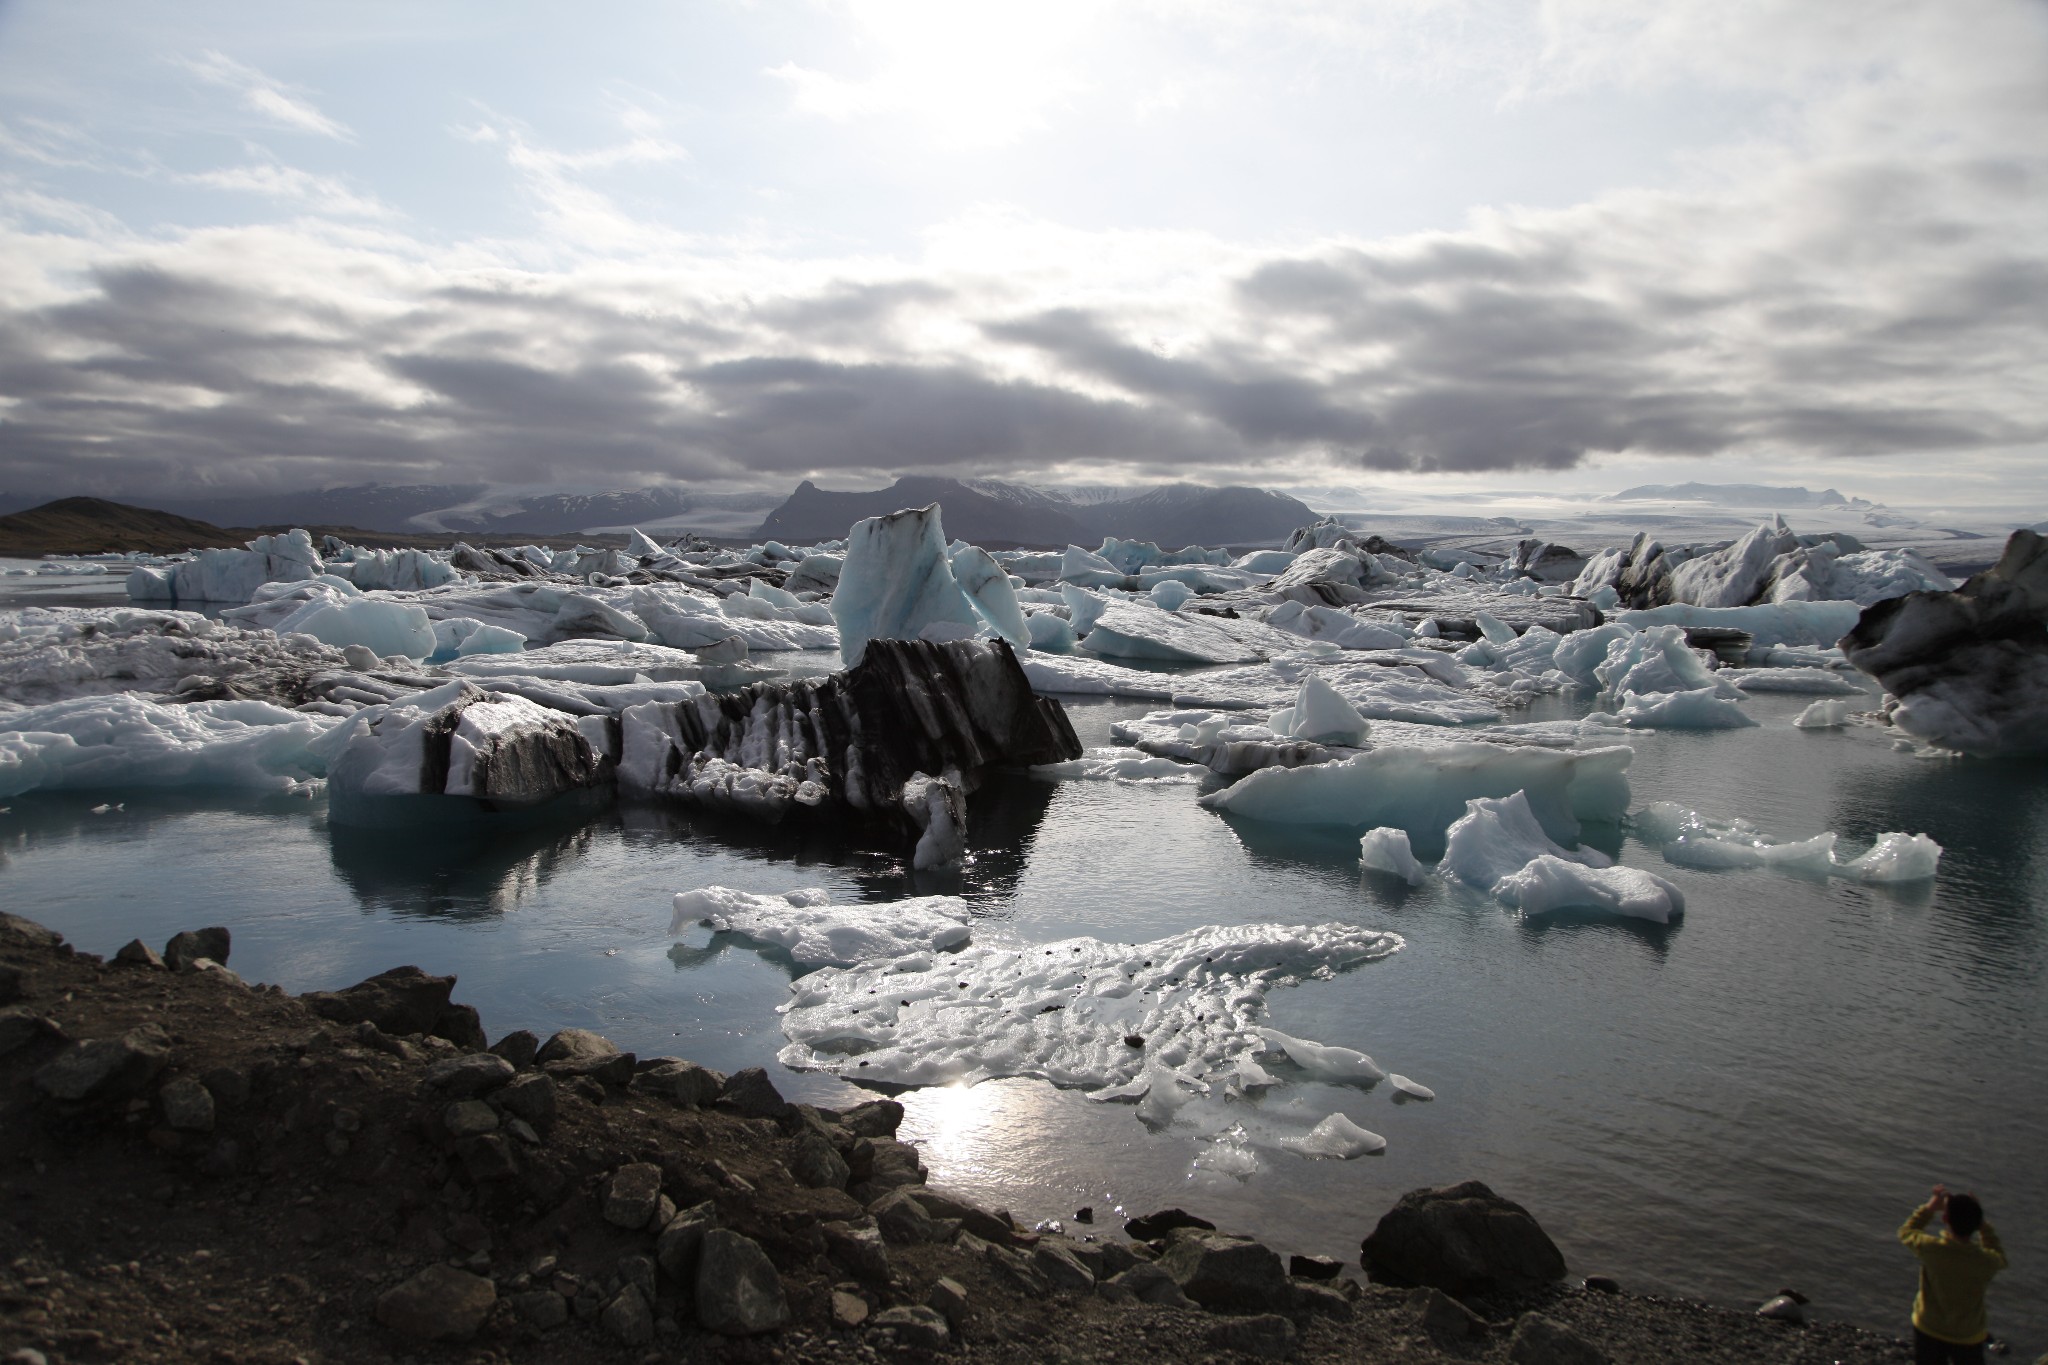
x: 229, y: 575
x: 1386, y: 850
x: 1422, y: 791
x: 1823, y: 715
x: 1550, y: 883
x: 994, y: 597
x: 1321, y: 715
x: 1895, y: 858
x: 895, y: 580
x: 1699, y: 709
x: 814, y: 933
x: 1338, y: 1065
x: 1655, y: 660
x: 1177, y: 1017
x: 1811, y: 681
x: 384, y: 627
x: 1170, y: 594
x: 1119, y: 765
x: 1783, y: 623
x: 1499, y: 836
x: 1123, y: 630
x: 129, y: 739
x: 1338, y: 1138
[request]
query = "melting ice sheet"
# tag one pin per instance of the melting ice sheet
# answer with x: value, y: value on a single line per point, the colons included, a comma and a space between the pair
x: 1158, y: 1023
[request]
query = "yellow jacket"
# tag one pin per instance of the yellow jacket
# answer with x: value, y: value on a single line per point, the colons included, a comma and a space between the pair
x: 1953, y: 1277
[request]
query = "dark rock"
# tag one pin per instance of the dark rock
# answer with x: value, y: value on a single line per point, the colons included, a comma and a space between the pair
x: 903, y: 1220
x: 640, y: 1270
x: 20, y: 1026
x: 542, y: 1308
x: 100, y: 1069
x: 916, y: 1326
x: 471, y: 1075
x: 873, y: 1119
x: 1320, y: 1299
x: 1603, y: 1284
x: 1463, y: 1239
x: 1007, y: 1266
x: 978, y: 1221
x: 949, y: 1300
x: 631, y: 1195
x: 27, y: 933
x: 685, y: 1083
x: 738, y: 1292
x: 816, y: 1164
x: 1148, y: 1283
x: 1267, y: 1336
x: 1314, y: 1267
x: 401, y: 1001
x: 1154, y: 1226
x: 1060, y: 1265
x: 136, y: 953
x: 1442, y: 1318
x: 1116, y: 1257
x: 468, y: 1118
x: 1221, y: 1271
x: 187, y: 1105
x: 518, y: 1047
x: 186, y: 948
x: 682, y: 1238
x: 575, y: 1052
x: 629, y: 1318
x: 1967, y: 667
x: 440, y: 1303
x: 895, y: 1165
x: 229, y: 1086
x: 752, y: 1094
x: 849, y: 1310
x: 530, y: 1097
x: 12, y: 984
x: 1544, y: 1341
x: 487, y: 1158
x: 857, y: 1250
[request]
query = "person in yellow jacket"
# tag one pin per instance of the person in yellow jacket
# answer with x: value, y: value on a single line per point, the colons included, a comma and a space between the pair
x: 1956, y: 1266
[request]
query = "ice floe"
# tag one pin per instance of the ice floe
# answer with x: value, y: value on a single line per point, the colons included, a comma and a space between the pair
x: 1338, y: 1138
x: 131, y: 739
x: 1387, y: 850
x: 814, y: 933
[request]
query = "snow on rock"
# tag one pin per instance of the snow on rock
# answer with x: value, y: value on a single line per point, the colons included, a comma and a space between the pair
x: 1386, y: 850
x: 1337, y: 1138
x: 1699, y: 709
x: 1156, y: 1023
x: 1969, y: 668
x: 895, y: 580
x: 1424, y: 790
x: 130, y: 739
x: 1550, y: 883
x: 815, y: 933
x: 1895, y: 858
x: 1500, y: 835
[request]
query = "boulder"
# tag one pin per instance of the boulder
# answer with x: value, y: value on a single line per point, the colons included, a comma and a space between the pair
x: 628, y: 1318
x: 738, y: 1292
x: 857, y: 1250
x: 684, y: 1083
x: 1969, y: 668
x: 136, y: 953
x: 632, y: 1195
x: 20, y: 1026
x: 1060, y: 1265
x: 1545, y: 1341
x: 1442, y: 1318
x: 471, y: 1075
x: 440, y: 1303
x: 873, y: 1119
x: 95, y: 1070
x: 579, y: 1052
x: 401, y: 1001
x: 188, y: 947
x: 530, y: 1097
x: 677, y: 1249
x: 1267, y: 1336
x: 949, y: 1300
x: 752, y: 1094
x: 1154, y: 1226
x: 817, y: 1164
x: 903, y: 1220
x: 1463, y: 1239
x: 27, y: 933
x: 1221, y: 1271
x: 976, y: 1220
x: 915, y: 1325
x: 187, y: 1105
x: 518, y: 1047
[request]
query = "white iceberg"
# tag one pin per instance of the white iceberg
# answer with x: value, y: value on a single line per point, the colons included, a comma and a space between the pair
x: 1338, y: 1065
x: 1701, y: 708
x: 130, y: 739
x: 1499, y: 836
x: 895, y: 580
x: 1550, y: 883
x: 1895, y: 857
x: 1823, y: 715
x: 1337, y: 1138
x: 1321, y: 715
x: 815, y: 933
x: 1386, y: 850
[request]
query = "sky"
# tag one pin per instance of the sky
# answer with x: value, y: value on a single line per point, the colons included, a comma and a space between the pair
x: 1432, y: 246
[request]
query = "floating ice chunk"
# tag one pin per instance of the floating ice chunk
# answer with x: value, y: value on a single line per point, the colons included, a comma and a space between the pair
x: 1895, y: 858
x: 1423, y: 790
x: 1170, y: 593
x: 1231, y: 1155
x: 402, y: 570
x: 1579, y: 655
x: 1655, y: 660
x: 991, y: 592
x: 1154, y: 1020
x: 1086, y: 567
x: 1707, y: 849
x: 1339, y: 1065
x: 1265, y: 561
x: 1699, y: 709
x: 132, y: 740
x: 786, y: 603
x: 1808, y: 680
x: 1386, y: 850
x: 816, y: 933
x: 1780, y: 623
x: 1336, y: 1137
x: 1414, y: 1090
x: 1083, y: 607
x: 1335, y: 625
x: 1050, y: 634
x: 1824, y: 715
x: 1121, y: 765
x: 465, y: 635
x: 896, y: 580
x: 1322, y: 716
x: 1493, y: 630
x: 1552, y: 883
x: 1125, y: 630
x: 938, y: 808
x: 1499, y: 836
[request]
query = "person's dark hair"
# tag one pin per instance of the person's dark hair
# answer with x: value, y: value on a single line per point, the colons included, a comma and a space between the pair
x: 1965, y: 1214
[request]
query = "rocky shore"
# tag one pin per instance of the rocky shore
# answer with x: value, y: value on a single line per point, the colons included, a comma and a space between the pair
x: 194, y: 1168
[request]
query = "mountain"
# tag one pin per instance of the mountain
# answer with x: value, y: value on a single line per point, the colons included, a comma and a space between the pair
x: 376, y: 507
x: 1732, y: 495
x: 83, y: 526
x: 991, y: 512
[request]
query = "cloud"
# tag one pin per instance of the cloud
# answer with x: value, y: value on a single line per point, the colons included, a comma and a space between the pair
x: 317, y: 193
x: 263, y: 96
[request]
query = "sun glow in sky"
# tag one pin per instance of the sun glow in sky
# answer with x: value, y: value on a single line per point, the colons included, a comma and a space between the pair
x: 1423, y: 244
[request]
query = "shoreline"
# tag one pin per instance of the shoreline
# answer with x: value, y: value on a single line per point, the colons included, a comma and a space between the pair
x: 205, y: 1170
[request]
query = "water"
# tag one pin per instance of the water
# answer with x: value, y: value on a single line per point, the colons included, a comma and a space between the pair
x: 1753, y: 1097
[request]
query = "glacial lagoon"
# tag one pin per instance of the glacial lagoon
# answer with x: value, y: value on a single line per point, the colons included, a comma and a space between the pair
x: 1750, y: 1097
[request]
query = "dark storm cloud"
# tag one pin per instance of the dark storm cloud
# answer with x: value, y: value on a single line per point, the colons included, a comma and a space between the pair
x: 1879, y: 319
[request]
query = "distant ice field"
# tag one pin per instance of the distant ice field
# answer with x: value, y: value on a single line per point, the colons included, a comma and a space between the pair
x: 1751, y: 1096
